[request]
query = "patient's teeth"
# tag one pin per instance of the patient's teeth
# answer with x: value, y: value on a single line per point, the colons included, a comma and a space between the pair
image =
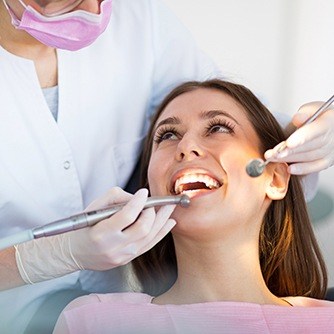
x: 195, y: 178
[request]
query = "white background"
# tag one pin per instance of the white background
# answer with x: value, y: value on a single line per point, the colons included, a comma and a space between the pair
x: 283, y: 50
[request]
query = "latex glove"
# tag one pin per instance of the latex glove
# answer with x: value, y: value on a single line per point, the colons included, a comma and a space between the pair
x: 110, y: 243
x: 311, y: 148
x: 126, y: 235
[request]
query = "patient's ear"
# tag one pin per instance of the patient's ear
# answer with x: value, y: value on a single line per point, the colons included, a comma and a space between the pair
x: 278, y: 180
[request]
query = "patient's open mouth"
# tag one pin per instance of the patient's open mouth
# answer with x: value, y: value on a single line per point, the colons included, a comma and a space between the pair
x: 195, y: 182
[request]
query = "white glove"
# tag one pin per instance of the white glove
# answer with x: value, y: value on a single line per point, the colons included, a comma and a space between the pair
x: 311, y: 148
x: 110, y: 243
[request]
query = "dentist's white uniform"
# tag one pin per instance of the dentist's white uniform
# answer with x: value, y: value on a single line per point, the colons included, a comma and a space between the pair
x: 50, y: 170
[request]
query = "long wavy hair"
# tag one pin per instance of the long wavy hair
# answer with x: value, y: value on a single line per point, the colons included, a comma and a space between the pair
x: 290, y: 258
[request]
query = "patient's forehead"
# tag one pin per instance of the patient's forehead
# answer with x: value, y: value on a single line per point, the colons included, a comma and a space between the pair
x: 202, y: 99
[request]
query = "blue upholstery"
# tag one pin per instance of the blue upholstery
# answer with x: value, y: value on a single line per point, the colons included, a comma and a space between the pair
x: 330, y: 294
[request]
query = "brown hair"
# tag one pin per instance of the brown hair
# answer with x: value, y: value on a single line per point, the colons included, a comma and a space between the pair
x: 290, y: 258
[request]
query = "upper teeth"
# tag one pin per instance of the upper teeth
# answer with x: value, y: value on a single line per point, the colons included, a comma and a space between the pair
x: 192, y: 178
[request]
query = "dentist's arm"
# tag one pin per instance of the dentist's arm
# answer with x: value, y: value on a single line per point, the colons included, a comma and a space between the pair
x: 106, y: 245
x: 9, y: 273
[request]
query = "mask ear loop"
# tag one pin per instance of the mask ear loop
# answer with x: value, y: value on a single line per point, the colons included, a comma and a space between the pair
x: 75, y: 4
x: 23, y: 4
x: 20, y: 1
x: 15, y: 21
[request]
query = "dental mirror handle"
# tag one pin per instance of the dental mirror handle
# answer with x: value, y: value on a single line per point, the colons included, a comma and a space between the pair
x: 323, y: 108
x: 313, y: 117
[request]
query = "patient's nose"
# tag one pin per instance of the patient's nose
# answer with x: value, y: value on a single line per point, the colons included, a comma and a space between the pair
x: 188, y: 149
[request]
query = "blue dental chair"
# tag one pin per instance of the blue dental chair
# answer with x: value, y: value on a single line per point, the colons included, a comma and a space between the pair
x: 330, y: 294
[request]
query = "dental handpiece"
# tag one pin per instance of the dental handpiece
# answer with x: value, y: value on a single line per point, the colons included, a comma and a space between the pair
x: 256, y: 166
x: 85, y: 219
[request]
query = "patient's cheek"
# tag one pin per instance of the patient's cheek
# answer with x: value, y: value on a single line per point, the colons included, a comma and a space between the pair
x: 152, y: 183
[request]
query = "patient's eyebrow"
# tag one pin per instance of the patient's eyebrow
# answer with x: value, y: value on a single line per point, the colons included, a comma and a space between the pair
x: 170, y: 121
x: 208, y: 114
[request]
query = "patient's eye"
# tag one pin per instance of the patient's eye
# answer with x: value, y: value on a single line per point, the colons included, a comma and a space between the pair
x: 220, y: 126
x: 165, y: 133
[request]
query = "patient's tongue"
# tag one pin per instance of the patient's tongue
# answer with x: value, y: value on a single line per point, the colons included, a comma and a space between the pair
x: 194, y: 186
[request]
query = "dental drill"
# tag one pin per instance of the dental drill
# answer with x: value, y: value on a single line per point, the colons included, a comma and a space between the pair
x: 85, y: 219
x: 256, y: 166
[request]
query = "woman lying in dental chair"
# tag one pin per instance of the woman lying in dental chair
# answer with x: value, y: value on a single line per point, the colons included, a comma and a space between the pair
x: 243, y: 257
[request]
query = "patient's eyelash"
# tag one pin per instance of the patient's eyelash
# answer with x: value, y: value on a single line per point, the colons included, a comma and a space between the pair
x: 217, y: 124
x: 165, y: 133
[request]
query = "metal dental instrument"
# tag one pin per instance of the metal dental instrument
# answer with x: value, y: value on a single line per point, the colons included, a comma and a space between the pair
x: 256, y: 166
x: 85, y: 219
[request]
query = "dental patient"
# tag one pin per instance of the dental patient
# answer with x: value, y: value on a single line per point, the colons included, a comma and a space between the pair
x: 243, y: 257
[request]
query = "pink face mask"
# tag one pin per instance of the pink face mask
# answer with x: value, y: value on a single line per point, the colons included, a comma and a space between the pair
x: 70, y: 31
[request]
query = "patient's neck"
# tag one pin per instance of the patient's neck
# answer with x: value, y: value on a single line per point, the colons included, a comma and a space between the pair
x: 218, y: 271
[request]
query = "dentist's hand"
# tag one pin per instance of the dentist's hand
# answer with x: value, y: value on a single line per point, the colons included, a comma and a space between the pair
x: 110, y: 243
x: 311, y: 148
x: 127, y: 234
